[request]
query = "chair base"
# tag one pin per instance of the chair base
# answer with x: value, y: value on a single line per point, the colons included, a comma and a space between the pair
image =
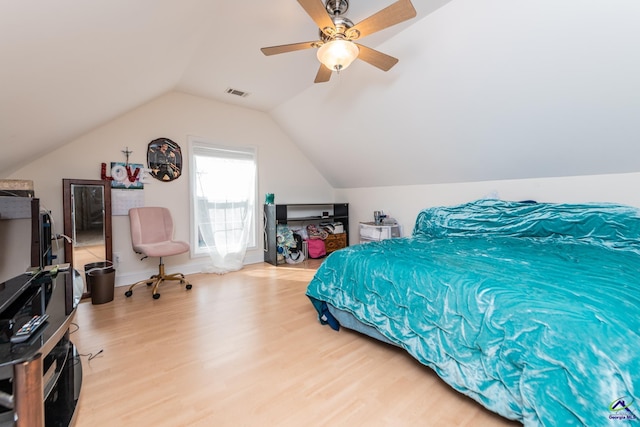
x: 159, y: 278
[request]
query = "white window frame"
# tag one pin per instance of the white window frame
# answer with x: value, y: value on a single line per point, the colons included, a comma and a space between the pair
x: 196, y: 146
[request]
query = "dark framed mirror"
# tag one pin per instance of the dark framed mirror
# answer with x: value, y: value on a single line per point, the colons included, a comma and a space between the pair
x: 87, y: 222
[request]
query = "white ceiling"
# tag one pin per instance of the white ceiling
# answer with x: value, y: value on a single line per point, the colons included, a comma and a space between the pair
x: 485, y: 89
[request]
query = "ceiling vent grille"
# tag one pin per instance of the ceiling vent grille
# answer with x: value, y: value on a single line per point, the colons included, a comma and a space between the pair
x: 237, y: 92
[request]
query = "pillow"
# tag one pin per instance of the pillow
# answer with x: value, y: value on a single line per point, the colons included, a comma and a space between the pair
x: 607, y: 224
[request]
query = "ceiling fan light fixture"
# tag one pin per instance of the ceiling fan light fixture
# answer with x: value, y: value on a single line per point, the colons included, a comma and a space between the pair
x: 337, y: 34
x: 338, y: 54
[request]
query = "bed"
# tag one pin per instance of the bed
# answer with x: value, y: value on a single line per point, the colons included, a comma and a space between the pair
x: 531, y: 309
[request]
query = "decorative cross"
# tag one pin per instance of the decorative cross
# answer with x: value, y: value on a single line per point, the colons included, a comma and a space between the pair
x: 126, y: 152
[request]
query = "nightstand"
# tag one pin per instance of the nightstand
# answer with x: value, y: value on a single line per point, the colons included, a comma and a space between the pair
x: 372, y: 232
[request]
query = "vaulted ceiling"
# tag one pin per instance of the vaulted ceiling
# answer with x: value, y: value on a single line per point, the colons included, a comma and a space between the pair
x: 485, y: 89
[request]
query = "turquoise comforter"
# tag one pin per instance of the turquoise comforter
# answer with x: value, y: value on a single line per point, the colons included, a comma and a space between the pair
x: 532, y: 309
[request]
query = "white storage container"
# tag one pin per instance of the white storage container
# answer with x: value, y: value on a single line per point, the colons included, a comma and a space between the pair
x: 370, y: 231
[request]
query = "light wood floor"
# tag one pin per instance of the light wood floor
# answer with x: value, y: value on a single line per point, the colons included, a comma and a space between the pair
x: 245, y: 349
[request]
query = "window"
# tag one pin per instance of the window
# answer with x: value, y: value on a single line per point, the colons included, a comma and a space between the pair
x: 223, y: 189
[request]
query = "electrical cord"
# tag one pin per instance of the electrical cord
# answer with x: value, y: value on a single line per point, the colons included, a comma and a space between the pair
x: 90, y: 356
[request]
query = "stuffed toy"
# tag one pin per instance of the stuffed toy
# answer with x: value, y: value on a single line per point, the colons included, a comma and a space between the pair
x: 289, y: 244
x: 316, y: 233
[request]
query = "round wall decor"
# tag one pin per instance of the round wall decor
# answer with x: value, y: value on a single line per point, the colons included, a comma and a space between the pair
x: 164, y: 158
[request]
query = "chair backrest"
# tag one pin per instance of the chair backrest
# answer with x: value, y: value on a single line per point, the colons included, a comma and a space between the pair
x: 150, y: 225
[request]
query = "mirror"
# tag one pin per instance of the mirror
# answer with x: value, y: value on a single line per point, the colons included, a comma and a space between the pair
x: 87, y: 221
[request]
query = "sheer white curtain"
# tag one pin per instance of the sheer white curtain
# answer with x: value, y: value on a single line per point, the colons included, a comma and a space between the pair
x: 224, y: 204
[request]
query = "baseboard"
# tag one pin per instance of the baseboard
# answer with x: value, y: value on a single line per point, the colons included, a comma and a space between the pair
x: 191, y: 268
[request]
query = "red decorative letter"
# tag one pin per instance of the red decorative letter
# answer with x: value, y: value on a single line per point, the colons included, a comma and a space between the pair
x: 103, y: 175
x: 134, y: 176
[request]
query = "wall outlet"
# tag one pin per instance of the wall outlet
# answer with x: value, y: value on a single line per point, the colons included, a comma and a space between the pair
x: 116, y: 259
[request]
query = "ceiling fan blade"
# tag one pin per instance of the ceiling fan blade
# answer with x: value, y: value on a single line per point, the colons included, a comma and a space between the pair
x: 324, y: 74
x: 284, y: 48
x: 391, y: 15
x: 375, y: 58
x: 317, y: 11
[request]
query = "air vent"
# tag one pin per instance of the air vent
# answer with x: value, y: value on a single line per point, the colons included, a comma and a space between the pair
x: 237, y: 92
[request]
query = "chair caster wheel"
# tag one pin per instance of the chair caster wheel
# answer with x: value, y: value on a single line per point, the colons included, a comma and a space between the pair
x: 189, y: 286
x: 156, y: 296
x: 128, y: 294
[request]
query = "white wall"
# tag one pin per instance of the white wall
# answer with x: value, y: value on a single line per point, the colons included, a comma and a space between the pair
x: 282, y: 169
x: 404, y: 202
x: 483, y: 90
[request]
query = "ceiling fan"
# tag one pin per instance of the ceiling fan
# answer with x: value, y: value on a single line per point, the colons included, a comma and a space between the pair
x: 336, y: 47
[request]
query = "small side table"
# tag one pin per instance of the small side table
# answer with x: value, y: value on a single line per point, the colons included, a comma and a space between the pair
x: 372, y: 232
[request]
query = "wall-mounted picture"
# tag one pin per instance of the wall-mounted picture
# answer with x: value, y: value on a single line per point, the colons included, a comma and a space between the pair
x: 164, y: 159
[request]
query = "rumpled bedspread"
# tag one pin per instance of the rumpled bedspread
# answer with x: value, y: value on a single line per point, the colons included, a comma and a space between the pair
x: 531, y: 309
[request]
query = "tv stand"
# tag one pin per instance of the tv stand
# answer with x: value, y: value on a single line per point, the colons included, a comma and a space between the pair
x: 39, y: 379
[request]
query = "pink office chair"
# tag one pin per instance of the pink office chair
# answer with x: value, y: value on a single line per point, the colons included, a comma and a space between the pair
x: 152, y: 236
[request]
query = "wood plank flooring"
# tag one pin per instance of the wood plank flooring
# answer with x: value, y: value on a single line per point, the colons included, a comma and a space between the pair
x: 246, y: 349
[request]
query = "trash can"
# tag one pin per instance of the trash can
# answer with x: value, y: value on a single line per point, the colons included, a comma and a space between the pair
x: 100, y: 278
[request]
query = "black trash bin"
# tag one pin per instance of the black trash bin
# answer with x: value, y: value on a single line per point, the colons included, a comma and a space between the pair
x: 100, y: 278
